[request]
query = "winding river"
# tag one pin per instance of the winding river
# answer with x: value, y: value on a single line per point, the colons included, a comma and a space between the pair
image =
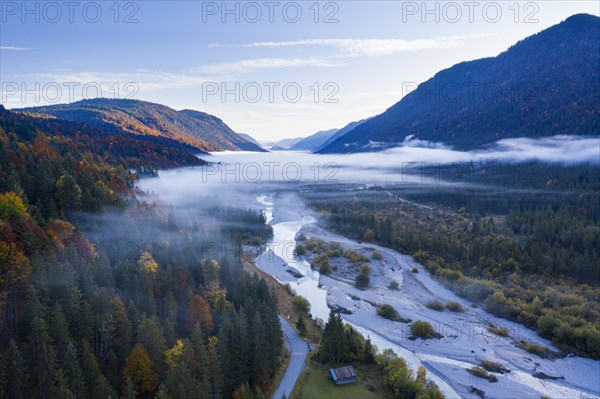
x: 282, y: 245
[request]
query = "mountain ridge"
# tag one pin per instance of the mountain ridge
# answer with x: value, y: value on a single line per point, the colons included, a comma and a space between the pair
x: 546, y: 84
x: 200, y: 130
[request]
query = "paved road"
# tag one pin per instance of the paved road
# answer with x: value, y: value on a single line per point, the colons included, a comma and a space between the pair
x: 298, y: 348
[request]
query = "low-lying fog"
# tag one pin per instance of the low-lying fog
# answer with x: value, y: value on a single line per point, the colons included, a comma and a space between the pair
x: 271, y: 181
x: 256, y: 172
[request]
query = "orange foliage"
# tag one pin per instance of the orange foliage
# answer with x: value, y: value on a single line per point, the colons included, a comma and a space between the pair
x: 139, y: 369
x: 199, y: 312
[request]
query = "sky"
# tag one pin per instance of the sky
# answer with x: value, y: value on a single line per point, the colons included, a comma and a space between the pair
x: 271, y: 69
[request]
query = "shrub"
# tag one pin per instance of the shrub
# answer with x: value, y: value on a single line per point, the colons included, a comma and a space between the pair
x: 482, y: 373
x: 394, y: 285
x: 500, y: 331
x: 376, y: 255
x: 325, y: 268
x: 436, y: 305
x: 301, y: 304
x: 300, y: 250
x: 365, y: 269
x: 454, y: 306
x: 536, y: 349
x: 355, y: 257
x: 388, y: 312
x: 494, y: 367
x: 422, y: 329
x: 415, y: 269
x: 362, y: 281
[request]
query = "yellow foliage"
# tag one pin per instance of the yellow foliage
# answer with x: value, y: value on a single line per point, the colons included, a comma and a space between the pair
x: 12, y: 207
x: 147, y: 263
x: 173, y: 355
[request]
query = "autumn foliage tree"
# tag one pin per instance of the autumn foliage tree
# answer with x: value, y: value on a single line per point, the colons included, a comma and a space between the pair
x: 139, y: 369
x: 199, y: 312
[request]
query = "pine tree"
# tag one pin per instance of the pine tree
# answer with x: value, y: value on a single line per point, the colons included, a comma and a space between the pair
x: 41, y: 356
x: 15, y: 372
x: 72, y: 371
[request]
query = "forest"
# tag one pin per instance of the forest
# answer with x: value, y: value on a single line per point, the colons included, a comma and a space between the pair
x: 103, y: 295
x: 530, y: 255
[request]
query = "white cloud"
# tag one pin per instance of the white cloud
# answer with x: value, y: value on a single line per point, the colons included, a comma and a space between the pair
x: 367, y: 47
x: 11, y: 48
x: 250, y: 65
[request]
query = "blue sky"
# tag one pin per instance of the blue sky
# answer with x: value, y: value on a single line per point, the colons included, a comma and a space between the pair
x: 293, y: 69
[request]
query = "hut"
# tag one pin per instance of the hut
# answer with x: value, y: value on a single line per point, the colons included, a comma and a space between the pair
x: 343, y: 375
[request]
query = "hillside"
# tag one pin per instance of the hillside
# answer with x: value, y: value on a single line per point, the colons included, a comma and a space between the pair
x: 137, y: 152
x: 547, y: 84
x: 202, y: 131
x: 349, y: 127
x: 249, y: 138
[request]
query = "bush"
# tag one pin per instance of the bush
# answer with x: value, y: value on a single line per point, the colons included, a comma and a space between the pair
x: 423, y: 329
x: 482, y: 373
x: 415, y: 269
x: 494, y: 367
x: 355, y: 257
x: 388, y: 312
x: 454, y: 306
x: 300, y: 250
x: 536, y: 349
x: 394, y: 285
x: 365, y: 269
x: 376, y: 255
x: 325, y: 268
x: 362, y: 281
x: 436, y: 305
x: 500, y: 331
x: 301, y: 304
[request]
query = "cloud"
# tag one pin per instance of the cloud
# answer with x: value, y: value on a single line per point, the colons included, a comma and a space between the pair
x: 366, y: 47
x: 11, y: 48
x: 250, y: 65
x: 145, y: 80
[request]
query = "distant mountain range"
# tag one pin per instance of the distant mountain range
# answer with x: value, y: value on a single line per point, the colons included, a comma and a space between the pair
x: 140, y: 118
x: 313, y: 141
x: 283, y: 144
x: 545, y: 85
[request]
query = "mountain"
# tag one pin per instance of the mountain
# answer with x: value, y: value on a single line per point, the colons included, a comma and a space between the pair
x: 133, y: 117
x: 143, y: 153
x: 339, y: 134
x: 545, y: 85
x: 283, y: 144
x: 249, y: 138
x: 314, y: 141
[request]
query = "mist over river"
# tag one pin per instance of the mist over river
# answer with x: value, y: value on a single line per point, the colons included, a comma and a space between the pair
x: 268, y: 183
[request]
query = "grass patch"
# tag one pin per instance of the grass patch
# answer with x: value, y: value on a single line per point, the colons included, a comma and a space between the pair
x: 436, y: 305
x: 316, y: 382
x: 454, y: 306
x: 482, y: 373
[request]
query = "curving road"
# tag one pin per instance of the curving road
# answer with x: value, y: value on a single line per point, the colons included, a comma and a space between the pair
x: 298, y: 348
